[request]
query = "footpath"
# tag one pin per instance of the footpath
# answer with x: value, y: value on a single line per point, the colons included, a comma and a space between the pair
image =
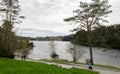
x: 98, y: 69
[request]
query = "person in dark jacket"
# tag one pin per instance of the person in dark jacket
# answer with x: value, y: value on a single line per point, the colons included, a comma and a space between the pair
x: 90, y: 65
x: 23, y: 57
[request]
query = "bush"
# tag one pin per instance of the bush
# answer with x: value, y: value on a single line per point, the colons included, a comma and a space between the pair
x: 6, y: 53
x: 31, y: 44
x: 54, y: 55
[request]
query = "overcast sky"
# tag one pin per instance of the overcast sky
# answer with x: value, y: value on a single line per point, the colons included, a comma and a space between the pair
x: 45, y: 17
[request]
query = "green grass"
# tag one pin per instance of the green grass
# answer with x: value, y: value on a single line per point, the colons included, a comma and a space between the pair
x: 61, y: 61
x: 9, y: 66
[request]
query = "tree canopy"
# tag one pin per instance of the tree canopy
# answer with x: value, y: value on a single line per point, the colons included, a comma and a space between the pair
x: 90, y: 14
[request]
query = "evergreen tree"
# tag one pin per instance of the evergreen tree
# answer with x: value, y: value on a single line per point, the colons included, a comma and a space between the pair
x: 10, y: 10
x: 90, y: 15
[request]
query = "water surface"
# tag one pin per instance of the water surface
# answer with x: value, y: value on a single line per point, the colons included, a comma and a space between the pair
x: 101, y: 55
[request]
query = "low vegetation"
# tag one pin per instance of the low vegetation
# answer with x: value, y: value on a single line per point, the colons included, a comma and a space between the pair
x: 26, y: 67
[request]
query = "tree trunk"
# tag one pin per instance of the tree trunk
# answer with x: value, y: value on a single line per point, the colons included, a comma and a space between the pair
x: 89, y: 37
x: 74, y: 59
x: 74, y: 55
x: 91, y: 54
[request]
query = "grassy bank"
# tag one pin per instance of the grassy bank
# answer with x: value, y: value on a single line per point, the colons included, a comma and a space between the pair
x: 9, y: 66
x: 78, y: 63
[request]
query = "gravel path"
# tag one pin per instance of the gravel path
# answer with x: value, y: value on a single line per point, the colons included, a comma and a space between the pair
x: 100, y: 70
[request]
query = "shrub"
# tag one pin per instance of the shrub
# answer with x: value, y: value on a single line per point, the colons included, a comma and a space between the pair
x: 6, y: 53
x: 54, y: 55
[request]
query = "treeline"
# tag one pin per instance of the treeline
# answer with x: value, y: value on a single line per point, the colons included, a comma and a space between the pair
x: 103, y: 36
x: 50, y: 38
x: 58, y: 38
x: 67, y: 38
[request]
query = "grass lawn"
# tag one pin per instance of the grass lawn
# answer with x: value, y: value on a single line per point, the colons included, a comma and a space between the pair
x: 9, y: 66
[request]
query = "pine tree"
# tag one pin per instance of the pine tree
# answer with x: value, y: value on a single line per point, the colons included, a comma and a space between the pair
x: 90, y: 15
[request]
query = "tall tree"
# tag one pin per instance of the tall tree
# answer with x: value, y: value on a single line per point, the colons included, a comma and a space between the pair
x: 90, y: 15
x: 10, y: 10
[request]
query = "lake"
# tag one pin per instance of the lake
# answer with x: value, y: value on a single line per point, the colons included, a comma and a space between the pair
x: 100, y: 55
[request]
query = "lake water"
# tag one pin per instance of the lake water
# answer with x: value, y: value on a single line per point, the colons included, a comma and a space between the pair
x: 100, y: 55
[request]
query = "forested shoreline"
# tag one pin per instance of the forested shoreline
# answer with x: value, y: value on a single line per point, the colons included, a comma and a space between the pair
x: 103, y: 36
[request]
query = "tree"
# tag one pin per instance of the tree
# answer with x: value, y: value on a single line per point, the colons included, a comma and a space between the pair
x: 10, y: 10
x: 53, y: 52
x: 1, y: 40
x: 75, y: 51
x: 8, y: 40
x: 90, y: 15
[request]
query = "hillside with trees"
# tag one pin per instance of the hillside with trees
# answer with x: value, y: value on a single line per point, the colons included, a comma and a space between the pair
x: 103, y: 36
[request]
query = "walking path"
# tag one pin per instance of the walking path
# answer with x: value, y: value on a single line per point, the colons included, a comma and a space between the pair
x: 100, y: 70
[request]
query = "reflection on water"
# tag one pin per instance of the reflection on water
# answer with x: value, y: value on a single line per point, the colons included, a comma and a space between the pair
x: 101, y: 56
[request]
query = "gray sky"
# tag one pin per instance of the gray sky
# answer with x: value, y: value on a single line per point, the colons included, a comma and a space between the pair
x: 45, y: 17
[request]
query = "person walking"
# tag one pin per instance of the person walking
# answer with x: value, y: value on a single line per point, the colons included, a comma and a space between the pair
x: 90, y: 65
